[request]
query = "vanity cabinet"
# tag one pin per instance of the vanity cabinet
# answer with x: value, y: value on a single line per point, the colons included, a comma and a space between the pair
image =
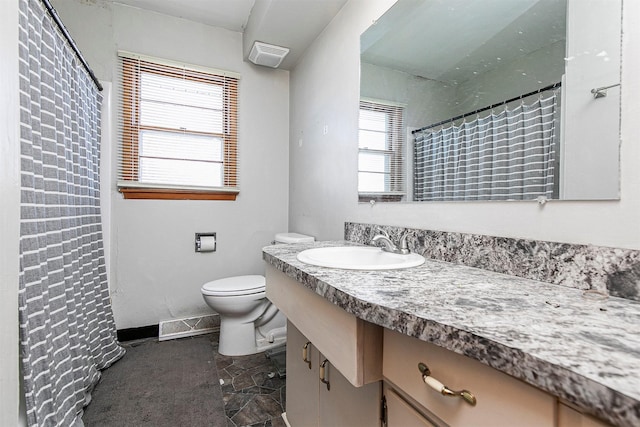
x: 351, y: 347
x: 570, y: 417
x: 399, y: 413
x: 311, y: 403
x: 500, y: 399
x: 303, y: 390
x: 369, y: 368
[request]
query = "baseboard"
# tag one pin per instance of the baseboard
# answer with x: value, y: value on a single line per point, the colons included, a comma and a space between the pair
x: 188, y: 327
x: 131, y: 334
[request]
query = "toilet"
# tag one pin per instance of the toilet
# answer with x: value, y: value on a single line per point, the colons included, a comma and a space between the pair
x: 249, y: 322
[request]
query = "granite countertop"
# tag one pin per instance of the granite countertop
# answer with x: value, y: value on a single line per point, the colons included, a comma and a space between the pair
x: 581, y: 347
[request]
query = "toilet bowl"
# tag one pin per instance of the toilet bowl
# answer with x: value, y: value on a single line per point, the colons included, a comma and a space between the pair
x: 249, y: 322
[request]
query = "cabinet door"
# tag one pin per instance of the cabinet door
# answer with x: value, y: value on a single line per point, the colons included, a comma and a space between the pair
x: 302, y: 382
x: 401, y: 414
x: 344, y: 405
x: 569, y: 417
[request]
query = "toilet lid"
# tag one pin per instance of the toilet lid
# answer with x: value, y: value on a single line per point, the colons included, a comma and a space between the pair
x: 238, y: 285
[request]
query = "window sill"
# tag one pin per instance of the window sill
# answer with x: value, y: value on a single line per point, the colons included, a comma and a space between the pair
x: 368, y: 198
x: 176, y: 194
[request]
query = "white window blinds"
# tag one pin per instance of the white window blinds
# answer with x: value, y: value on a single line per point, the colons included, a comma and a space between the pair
x: 178, y: 126
x: 381, y: 157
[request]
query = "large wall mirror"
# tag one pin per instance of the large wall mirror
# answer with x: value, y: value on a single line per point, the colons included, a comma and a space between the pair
x: 491, y: 100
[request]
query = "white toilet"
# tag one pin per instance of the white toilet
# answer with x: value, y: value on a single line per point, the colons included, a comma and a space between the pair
x: 249, y: 323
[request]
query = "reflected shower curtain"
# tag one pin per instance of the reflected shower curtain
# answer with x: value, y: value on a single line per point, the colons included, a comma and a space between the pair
x: 509, y: 155
x: 67, y: 333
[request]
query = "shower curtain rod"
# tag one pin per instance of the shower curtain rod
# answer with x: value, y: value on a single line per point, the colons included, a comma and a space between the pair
x: 65, y: 33
x: 535, y: 92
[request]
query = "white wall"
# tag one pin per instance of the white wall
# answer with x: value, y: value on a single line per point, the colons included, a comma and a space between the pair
x: 426, y: 101
x: 543, y: 67
x: 9, y: 212
x: 324, y: 91
x: 155, y: 274
x: 430, y: 101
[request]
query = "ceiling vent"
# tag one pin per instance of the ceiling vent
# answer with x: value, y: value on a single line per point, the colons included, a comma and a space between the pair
x: 267, y: 54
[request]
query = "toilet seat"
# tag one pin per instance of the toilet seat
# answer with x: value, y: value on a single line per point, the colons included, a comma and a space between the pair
x: 233, y: 286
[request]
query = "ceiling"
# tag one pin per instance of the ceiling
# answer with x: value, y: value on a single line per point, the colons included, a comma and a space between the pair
x: 454, y: 40
x: 294, y: 24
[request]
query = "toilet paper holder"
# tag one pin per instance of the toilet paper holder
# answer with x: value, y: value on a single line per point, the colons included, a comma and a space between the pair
x: 207, y: 248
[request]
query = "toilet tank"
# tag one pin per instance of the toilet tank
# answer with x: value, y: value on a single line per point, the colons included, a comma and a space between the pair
x: 293, y: 238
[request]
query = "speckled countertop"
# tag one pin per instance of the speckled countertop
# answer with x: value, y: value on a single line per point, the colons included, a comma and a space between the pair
x: 583, y: 349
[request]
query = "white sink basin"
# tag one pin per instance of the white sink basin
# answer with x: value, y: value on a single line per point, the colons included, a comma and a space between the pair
x: 359, y: 258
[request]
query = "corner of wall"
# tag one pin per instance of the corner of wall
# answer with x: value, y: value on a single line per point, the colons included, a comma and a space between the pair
x: 9, y: 214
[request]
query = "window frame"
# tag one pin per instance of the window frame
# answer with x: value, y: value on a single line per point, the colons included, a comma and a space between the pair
x: 132, y: 66
x: 395, y: 148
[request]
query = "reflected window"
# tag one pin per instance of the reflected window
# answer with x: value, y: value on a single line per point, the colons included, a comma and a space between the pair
x: 381, y: 156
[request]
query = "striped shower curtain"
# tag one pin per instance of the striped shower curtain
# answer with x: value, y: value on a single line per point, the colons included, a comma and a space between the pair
x: 510, y: 155
x: 67, y: 332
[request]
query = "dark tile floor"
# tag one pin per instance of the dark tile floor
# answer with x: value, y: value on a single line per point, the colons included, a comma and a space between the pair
x: 253, y: 392
x: 186, y: 382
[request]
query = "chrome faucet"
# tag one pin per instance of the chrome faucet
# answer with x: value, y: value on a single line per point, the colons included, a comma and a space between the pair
x: 387, y: 243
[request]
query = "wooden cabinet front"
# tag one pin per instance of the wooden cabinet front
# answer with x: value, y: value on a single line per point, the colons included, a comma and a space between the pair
x: 399, y: 413
x: 311, y: 403
x: 570, y: 417
x: 501, y: 400
x: 302, y: 381
x: 353, y: 345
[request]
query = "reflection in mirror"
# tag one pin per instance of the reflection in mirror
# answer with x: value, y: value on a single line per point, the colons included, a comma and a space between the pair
x: 490, y: 100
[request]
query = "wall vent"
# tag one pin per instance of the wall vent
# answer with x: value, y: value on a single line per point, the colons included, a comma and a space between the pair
x: 179, y: 328
x: 267, y: 55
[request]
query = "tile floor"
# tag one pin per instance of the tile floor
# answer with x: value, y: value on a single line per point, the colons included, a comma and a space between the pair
x: 253, y: 391
x: 186, y: 382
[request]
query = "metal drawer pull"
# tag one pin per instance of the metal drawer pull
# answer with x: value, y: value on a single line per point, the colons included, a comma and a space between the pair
x: 322, y: 377
x: 443, y: 389
x: 305, y: 354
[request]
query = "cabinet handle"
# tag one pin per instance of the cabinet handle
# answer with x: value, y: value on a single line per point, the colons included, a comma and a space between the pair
x: 305, y: 354
x: 322, y: 377
x: 443, y: 389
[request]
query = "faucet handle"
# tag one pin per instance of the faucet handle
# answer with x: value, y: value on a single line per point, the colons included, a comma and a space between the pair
x: 404, y: 247
x: 381, y: 231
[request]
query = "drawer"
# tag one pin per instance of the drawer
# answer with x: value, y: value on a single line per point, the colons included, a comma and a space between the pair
x: 353, y: 346
x: 501, y: 399
x: 570, y: 417
x: 401, y: 414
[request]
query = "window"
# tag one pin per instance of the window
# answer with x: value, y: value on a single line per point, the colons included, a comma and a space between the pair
x: 381, y: 157
x: 178, y: 127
